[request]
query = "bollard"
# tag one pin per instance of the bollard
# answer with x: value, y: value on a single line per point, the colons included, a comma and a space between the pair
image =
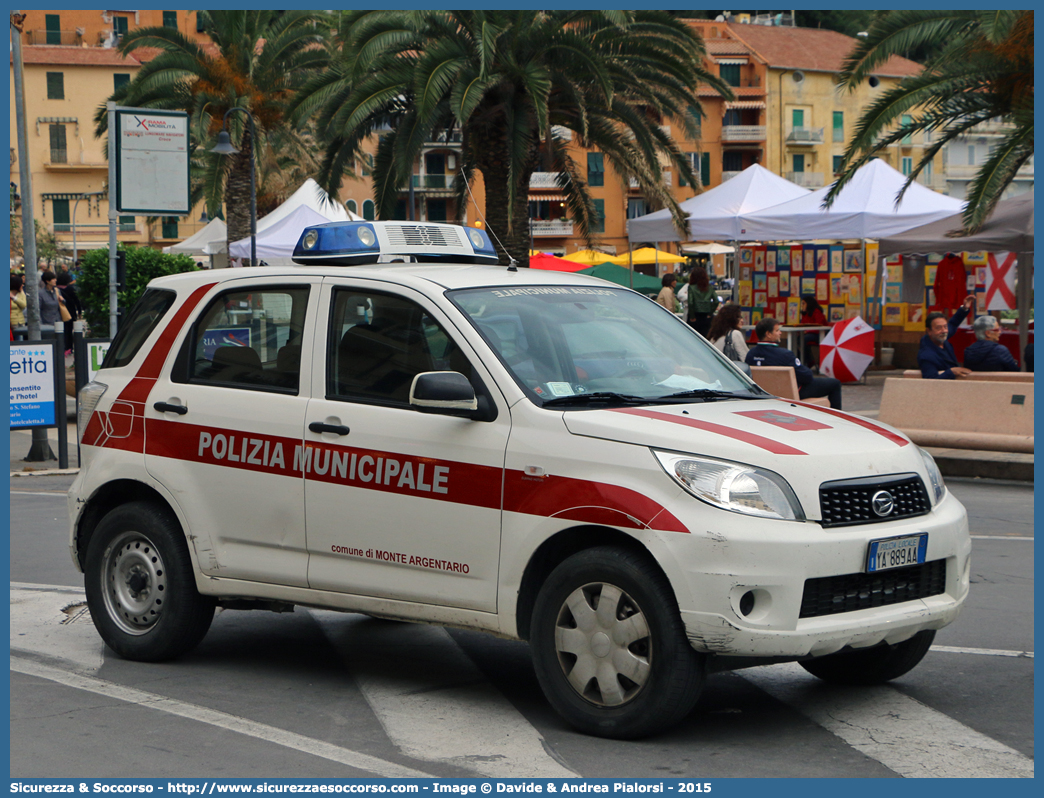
x: 80, y: 371
x: 61, y: 415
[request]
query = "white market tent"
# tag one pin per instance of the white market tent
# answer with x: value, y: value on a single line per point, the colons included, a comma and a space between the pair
x: 310, y: 196
x: 277, y: 241
x: 865, y: 208
x: 715, y: 214
x: 199, y: 242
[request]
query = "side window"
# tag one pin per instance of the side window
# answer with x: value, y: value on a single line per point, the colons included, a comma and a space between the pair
x: 140, y: 323
x: 248, y: 339
x: 378, y: 343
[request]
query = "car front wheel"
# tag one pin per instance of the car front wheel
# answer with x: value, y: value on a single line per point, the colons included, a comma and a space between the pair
x: 140, y: 587
x: 609, y: 648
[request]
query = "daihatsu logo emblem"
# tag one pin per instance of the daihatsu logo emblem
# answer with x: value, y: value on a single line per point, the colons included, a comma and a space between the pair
x: 883, y: 503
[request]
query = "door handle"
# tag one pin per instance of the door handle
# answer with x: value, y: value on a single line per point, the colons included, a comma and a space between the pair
x: 336, y: 429
x: 165, y: 407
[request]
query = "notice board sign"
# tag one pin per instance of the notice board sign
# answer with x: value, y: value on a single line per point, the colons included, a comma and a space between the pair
x: 32, y: 384
x: 152, y: 162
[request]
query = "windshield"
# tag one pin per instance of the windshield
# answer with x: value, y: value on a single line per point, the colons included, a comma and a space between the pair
x: 578, y: 345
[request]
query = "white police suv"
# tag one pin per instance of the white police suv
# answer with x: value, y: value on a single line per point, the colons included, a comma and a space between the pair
x: 543, y: 456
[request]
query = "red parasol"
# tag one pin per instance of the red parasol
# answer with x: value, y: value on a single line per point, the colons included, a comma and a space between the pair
x: 847, y: 350
x: 551, y: 263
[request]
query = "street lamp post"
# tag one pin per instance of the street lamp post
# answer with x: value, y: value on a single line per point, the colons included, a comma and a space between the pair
x: 224, y: 147
x: 87, y: 196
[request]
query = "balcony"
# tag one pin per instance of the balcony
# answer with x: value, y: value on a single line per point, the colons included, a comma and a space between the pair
x: 563, y: 133
x: 59, y: 156
x: 806, y: 179
x: 728, y: 176
x: 442, y: 138
x: 634, y: 185
x: 555, y: 228
x: 732, y: 133
x: 434, y: 182
x: 965, y: 172
x: 544, y: 180
x: 805, y: 135
x: 55, y: 37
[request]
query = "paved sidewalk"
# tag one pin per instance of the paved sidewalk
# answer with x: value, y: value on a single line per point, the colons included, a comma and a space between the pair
x: 863, y: 399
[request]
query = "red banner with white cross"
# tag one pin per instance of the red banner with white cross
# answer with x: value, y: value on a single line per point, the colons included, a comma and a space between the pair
x: 1000, y: 281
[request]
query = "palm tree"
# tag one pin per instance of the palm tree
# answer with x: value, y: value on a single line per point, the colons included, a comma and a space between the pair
x: 981, y: 68
x: 257, y: 61
x: 513, y: 83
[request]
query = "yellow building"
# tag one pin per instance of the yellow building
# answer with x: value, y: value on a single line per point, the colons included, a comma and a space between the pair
x: 70, y: 69
x: 810, y: 119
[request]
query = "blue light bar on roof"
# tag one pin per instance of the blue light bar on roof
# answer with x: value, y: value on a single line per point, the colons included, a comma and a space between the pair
x: 356, y: 243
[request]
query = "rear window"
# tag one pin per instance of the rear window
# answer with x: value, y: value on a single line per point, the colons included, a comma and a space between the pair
x: 141, y: 321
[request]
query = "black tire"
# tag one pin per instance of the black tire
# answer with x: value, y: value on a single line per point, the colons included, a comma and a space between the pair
x: 636, y: 673
x: 871, y: 665
x: 140, y: 586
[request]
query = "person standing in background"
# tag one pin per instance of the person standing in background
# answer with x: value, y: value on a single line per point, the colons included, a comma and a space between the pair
x: 703, y: 301
x: 50, y: 299
x: 666, y: 295
x: 17, y: 302
x: 67, y: 288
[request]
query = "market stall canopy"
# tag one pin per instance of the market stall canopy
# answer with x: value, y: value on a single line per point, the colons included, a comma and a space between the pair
x: 593, y: 257
x: 551, y: 263
x: 200, y: 242
x: 714, y: 214
x: 643, y: 283
x: 278, y: 240
x: 310, y: 196
x: 708, y: 249
x: 647, y: 255
x: 1008, y: 229
x: 865, y: 208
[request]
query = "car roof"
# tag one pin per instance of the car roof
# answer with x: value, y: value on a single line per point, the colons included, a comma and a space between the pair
x: 421, y: 276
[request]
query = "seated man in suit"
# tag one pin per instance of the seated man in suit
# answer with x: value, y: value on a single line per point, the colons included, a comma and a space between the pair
x: 936, y: 357
x: 768, y: 352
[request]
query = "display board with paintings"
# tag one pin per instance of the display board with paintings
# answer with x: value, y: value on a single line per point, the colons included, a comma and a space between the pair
x: 771, y: 279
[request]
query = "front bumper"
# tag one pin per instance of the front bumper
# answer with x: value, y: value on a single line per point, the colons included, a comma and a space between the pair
x: 772, y: 560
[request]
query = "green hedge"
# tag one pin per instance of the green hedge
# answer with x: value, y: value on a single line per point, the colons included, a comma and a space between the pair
x: 143, y: 265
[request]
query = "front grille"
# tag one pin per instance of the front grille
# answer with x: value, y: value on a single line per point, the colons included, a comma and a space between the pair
x: 420, y: 235
x: 847, y: 502
x: 829, y: 595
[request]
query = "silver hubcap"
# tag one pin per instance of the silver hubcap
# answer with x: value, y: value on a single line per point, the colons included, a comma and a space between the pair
x: 603, y: 644
x: 134, y: 581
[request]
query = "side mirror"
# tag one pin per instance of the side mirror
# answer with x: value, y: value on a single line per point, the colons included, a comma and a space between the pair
x: 445, y: 392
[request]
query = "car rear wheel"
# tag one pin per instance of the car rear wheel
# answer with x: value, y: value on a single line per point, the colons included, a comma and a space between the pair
x: 140, y: 587
x: 872, y: 665
x: 609, y: 648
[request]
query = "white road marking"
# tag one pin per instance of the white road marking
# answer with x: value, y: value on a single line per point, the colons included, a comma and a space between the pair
x: 432, y: 700
x: 991, y: 652
x: 260, y: 731
x: 900, y: 732
x: 1000, y: 537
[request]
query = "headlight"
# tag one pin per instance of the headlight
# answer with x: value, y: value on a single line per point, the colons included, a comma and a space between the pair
x: 734, y: 486
x: 89, y: 396
x: 934, y: 476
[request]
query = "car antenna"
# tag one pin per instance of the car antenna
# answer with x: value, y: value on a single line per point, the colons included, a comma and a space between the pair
x: 512, y: 263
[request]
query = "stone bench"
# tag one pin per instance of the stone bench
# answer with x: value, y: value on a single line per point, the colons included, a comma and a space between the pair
x: 961, y: 414
x: 987, y: 376
x: 781, y: 381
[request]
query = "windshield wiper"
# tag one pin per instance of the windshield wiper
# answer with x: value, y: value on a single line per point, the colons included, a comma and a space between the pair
x: 597, y: 396
x: 711, y: 393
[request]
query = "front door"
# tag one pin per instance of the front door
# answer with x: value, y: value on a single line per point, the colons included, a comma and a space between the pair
x: 229, y: 429
x: 399, y: 504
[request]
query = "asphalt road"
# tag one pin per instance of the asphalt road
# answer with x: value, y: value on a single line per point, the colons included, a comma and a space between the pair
x: 319, y: 694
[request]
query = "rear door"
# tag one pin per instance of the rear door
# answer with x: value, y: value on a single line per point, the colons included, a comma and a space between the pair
x: 399, y: 504
x: 225, y: 423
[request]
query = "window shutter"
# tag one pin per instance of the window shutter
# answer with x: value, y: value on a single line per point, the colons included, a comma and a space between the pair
x: 599, y: 225
x: 595, y: 169
x: 705, y: 169
x: 55, y: 85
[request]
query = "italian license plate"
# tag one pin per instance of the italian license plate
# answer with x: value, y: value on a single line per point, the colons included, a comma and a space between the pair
x: 896, y: 552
